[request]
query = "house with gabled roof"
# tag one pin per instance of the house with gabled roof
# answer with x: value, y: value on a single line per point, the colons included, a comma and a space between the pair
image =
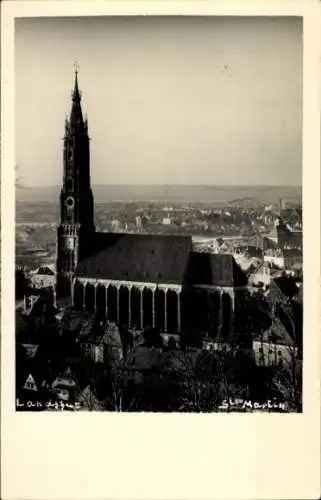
x: 43, y: 277
x: 275, y: 346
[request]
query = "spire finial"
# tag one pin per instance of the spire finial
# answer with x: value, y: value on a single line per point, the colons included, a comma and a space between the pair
x: 76, y: 95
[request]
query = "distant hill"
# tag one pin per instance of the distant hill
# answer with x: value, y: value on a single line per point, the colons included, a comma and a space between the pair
x: 169, y: 193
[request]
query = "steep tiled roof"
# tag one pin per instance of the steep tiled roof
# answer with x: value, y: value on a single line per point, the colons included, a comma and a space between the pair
x: 215, y: 269
x: 286, y: 285
x: 276, y: 333
x: 269, y: 243
x: 46, y: 271
x: 141, y: 258
x: 143, y: 358
x: 286, y: 237
x: 256, y: 241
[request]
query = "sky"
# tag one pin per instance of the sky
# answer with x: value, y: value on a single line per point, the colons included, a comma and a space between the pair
x: 169, y: 100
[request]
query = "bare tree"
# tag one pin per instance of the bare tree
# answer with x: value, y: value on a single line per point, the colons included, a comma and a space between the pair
x: 89, y: 400
x: 120, y: 398
x: 290, y: 375
x: 205, y: 377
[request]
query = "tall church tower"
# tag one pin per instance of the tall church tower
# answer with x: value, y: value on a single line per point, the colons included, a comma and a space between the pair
x: 76, y: 229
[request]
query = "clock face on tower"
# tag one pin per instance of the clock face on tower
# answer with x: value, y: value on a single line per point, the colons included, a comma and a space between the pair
x: 70, y: 202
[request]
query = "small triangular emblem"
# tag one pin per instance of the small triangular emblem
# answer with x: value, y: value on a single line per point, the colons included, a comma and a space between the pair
x: 30, y: 384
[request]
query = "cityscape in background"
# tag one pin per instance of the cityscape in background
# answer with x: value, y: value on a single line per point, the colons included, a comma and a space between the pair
x: 72, y: 358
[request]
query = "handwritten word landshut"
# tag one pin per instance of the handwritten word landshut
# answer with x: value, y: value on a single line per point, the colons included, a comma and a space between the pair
x: 49, y: 405
x: 244, y: 404
x: 231, y: 404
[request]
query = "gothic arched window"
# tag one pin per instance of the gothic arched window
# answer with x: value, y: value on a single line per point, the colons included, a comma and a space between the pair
x: 69, y: 184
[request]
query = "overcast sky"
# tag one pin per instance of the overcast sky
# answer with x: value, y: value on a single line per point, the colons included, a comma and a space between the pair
x: 169, y: 100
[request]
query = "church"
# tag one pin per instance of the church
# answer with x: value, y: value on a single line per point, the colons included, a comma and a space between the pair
x: 139, y: 281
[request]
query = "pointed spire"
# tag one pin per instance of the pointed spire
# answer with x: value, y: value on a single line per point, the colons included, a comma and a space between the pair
x: 76, y: 118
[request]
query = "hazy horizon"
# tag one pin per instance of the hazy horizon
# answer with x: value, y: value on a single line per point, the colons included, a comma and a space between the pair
x: 183, y: 101
x: 141, y: 184
x: 168, y: 193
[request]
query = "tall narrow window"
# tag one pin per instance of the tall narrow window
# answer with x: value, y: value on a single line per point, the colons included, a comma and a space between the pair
x: 70, y: 184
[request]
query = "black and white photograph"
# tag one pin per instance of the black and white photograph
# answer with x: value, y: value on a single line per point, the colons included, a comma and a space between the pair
x: 158, y: 225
